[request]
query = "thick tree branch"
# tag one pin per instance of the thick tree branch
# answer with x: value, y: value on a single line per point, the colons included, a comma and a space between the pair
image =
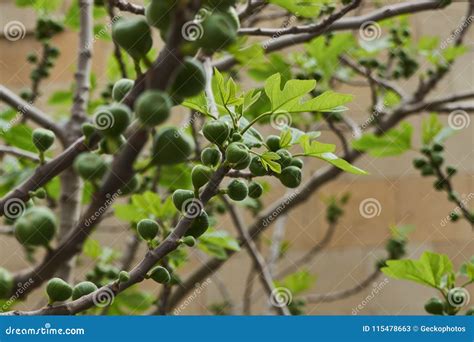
x: 19, y: 153
x: 128, y: 7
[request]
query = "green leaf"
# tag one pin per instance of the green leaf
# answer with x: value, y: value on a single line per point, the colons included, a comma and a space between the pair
x: 176, y: 177
x: 268, y: 161
x: 290, y: 99
x: 92, y: 249
x: 216, y: 242
x: 263, y: 68
x: 392, y: 143
x: 285, y: 138
x: 315, y: 148
x: 145, y: 205
x: 20, y: 136
x: 428, y: 270
x: 305, y: 8
x: 340, y: 163
x: 430, y: 127
x: 297, y: 282
x: 60, y: 97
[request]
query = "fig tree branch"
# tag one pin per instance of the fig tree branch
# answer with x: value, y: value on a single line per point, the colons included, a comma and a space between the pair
x: 127, y: 6
x: 14, y: 151
x: 258, y: 259
x: 29, y: 111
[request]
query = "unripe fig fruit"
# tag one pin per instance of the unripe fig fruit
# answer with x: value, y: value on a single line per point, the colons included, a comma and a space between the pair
x: 160, y: 275
x: 470, y: 312
x: 437, y: 159
x: 131, y: 186
x: 121, y: 88
x: 83, y: 289
x: 36, y: 227
x: 171, y: 146
x: 189, y: 79
x: 113, y: 120
x: 451, y: 171
x: 200, y: 175
x: 255, y: 190
x: 159, y: 12
x: 273, y: 143
x: 418, y: 163
x: 290, y: 177
x: 90, y: 166
x: 199, y: 225
x: 243, y: 164
x: 147, y: 229
x: 285, y: 157
x: 438, y: 147
x: 133, y: 35
x: 237, y: 137
x: 110, y: 145
x: 180, y: 197
x: 6, y: 283
x: 58, y: 290
x: 153, y: 107
x: 297, y: 162
x: 87, y: 129
x: 231, y: 12
x: 237, y: 190
x: 189, y: 241
x: 256, y: 167
x: 219, y: 32
x: 216, y: 131
x: 427, y: 170
x: 123, y: 277
x: 211, y: 156
x: 236, y: 153
x: 43, y: 139
x: 434, y: 306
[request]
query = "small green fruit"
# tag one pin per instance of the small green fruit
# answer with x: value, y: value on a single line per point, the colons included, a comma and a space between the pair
x: 237, y: 137
x: 285, y: 157
x: 87, y: 129
x: 451, y: 171
x: 90, y: 166
x: 216, y: 131
x: 43, y: 139
x: 123, y: 277
x: 297, y: 162
x: 58, y: 290
x: 255, y: 190
x: 131, y: 186
x: 470, y: 312
x: 290, y: 177
x: 160, y: 275
x: 6, y: 283
x: 211, y: 156
x: 133, y: 35
x: 189, y: 241
x: 237, y: 153
x: 171, y: 146
x: 159, y: 12
x: 434, y: 306
x: 147, y: 229
x: 153, y: 107
x: 199, y: 225
x: 180, y: 197
x: 418, y: 163
x: 438, y: 147
x: 83, y: 289
x: 256, y: 167
x: 200, y: 175
x: 219, y: 32
x: 273, y: 143
x: 112, y: 120
x: 437, y: 159
x: 231, y: 12
x: 36, y: 227
x: 110, y: 145
x: 189, y: 80
x: 427, y: 170
x: 237, y: 190
x: 121, y: 88
x: 243, y: 164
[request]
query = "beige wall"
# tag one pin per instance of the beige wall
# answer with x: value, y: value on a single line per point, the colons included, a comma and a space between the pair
x: 405, y: 198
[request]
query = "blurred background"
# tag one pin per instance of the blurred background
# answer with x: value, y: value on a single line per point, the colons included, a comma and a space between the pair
x: 400, y: 195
